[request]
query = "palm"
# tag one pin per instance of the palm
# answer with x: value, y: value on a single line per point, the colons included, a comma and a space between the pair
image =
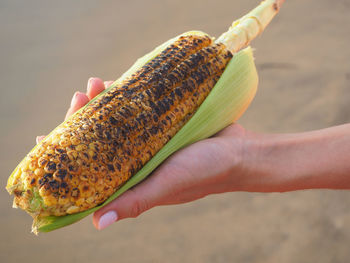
x: 199, y: 169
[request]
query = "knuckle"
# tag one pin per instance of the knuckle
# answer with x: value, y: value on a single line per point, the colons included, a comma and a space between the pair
x: 136, y: 209
x: 139, y: 205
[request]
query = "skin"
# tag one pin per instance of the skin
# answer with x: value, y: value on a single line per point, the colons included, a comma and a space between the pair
x: 233, y: 160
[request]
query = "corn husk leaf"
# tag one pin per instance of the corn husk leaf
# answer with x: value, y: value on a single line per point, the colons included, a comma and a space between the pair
x: 227, y: 101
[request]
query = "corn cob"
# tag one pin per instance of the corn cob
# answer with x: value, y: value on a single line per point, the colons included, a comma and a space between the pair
x: 88, y: 157
x: 79, y: 166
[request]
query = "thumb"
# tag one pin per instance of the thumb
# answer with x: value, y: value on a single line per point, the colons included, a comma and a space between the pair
x: 133, y: 202
x: 130, y: 204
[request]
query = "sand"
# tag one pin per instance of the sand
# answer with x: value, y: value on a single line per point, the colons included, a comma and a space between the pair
x: 49, y: 50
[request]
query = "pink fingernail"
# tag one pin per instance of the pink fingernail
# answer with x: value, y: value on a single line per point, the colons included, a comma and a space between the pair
x: 76, y: 94
x: 89, y: 82
x: 107, y: 219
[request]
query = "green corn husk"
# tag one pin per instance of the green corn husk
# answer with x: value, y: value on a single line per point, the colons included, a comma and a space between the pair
x: 227, y: 101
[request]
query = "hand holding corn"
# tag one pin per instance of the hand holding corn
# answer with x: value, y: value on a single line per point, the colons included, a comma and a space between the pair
x: 234, y: 160
x: 186, y: 90
x: 191, y: 174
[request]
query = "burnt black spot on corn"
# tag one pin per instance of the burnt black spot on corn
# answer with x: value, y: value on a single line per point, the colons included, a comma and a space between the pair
x: 87, y: 158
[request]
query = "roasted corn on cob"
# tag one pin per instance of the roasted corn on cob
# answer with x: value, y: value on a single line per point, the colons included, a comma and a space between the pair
x: 87, y: 158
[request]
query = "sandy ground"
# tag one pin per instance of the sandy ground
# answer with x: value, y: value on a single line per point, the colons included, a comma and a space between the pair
x: 48, y: 51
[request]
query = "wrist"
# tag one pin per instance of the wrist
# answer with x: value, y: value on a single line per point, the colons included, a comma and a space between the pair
x: 285, y: 162
x: 256, y: 172
x: 247, y: 167
x: 275, y: 163
x: 288, y: 162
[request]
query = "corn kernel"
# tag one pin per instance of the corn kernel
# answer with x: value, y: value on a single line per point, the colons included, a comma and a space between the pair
x: 63, y: 200
x: 42, y: 161
x: 39, y: 172
x: 74, y: 140
x: 84, y: 156
x: 64, y: 142
x: 84, y: 177
x: 72, y: 155
x: 72, y: 209
x: 32, y: 165
x: 25, y: 166
x: 90, y: 200
x: 50, y: 200
x: 91, y: 153
x: 81, y: 147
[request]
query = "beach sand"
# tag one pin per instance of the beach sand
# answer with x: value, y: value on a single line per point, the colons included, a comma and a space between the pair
x: 49, y: 50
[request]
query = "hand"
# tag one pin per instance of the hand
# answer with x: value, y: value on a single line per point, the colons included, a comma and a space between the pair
x: 233, y: 160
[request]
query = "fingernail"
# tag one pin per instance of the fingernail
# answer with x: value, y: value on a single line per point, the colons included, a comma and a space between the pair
x: 90, y: 83
x: 76, y: 94
x: 107, y: 219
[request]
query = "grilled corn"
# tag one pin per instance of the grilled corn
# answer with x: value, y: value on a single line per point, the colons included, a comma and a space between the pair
x: 87, y: 158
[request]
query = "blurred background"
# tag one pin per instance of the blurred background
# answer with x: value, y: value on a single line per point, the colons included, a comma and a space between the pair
x: 49, y: 50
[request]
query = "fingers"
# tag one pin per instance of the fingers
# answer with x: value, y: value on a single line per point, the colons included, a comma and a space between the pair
x: 131, y: 204
x: 159, y: 189
x: 79, y: 100
x: 94, y: 87
x: 190, y: 174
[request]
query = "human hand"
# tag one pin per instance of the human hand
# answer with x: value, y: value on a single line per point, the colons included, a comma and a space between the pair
x: 232, y: 160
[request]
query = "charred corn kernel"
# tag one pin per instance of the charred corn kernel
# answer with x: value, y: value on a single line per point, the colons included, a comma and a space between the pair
x: 39, y: 172
x: 32, y: 164
x: 74, y: 141
x: 72, y: 155
x: 55, y: 139
x: 72, y: 209
x: 49, y: 151
x: 50, y: 167
x: 42, y: 191
x: 93, y: 179
x: 91, y: 200
x: 64, y: 142
x: 24, y: 166
x: 80, y: 201
x: 84, y: 156
x: 42, y: 162
x: 63, y: 200
x: 81, y: 147
x: 50, y: 200
x: 84, y: 177
x: 91, y: 153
